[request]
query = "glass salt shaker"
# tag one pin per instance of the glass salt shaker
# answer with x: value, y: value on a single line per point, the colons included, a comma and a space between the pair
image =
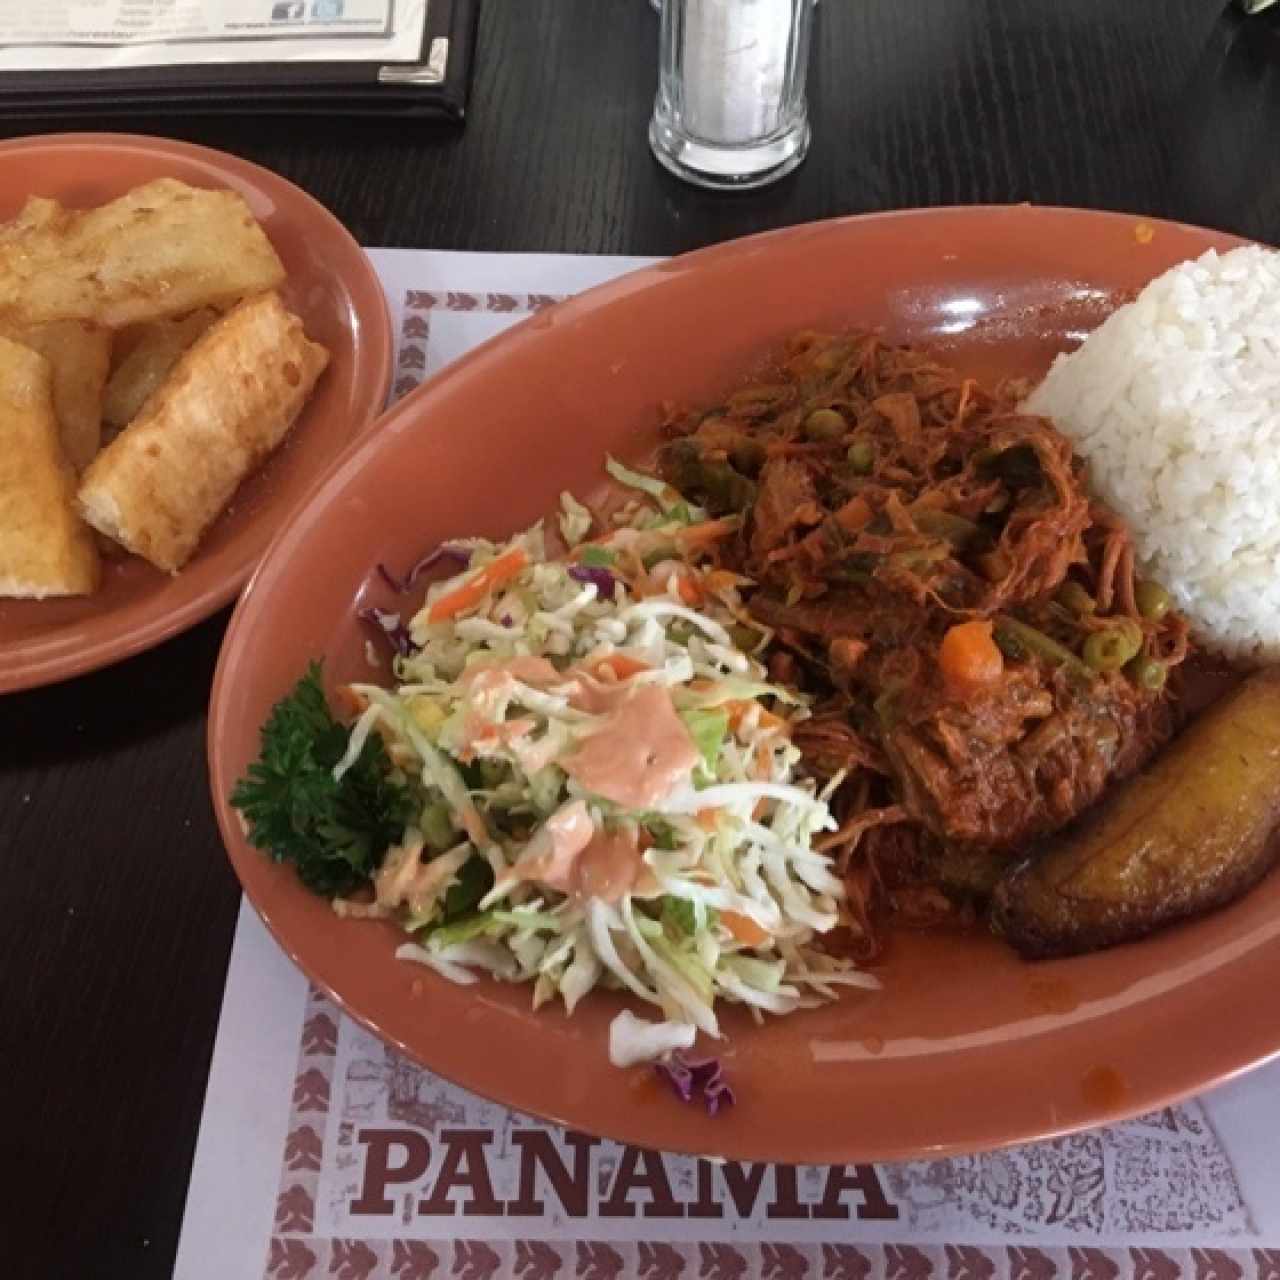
x: 730, y: 111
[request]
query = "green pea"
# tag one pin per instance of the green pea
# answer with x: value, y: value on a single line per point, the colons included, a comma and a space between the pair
x: 1110, y: 649
x: 823, y: 425
x: 1073, y: 596
x: 1152, y: 599
x: 1148, y: 673
x: 862, y: 456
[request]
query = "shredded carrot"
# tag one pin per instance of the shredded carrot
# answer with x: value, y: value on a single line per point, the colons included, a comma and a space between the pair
x: 471, y: 592
x: 707, y: 819
x: 738, y: 711
x: 350, y: 701
x: 718, y: 580
x: 621, y: 665
x: 969, y: 657
x: 854, y: 515
x: 687, y: 588
x: 763, y: 759
x: 744, y: 929
x: 697, y: 535
x: 930, y: 500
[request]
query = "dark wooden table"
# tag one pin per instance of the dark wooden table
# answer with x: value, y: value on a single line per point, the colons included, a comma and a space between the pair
x: 117, y: 906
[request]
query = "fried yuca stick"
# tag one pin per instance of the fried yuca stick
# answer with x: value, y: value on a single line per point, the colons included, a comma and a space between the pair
x: 38, y: 214
x: 45, y: 550
x: 163, y: 249
x: 156, y: 349
x: 79, y: 355
x: 228, y: 403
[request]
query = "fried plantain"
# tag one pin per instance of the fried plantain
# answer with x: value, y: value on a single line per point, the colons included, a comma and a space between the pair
x: 1191, y: 832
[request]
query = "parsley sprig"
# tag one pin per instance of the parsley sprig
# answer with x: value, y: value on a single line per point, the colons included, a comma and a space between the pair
x: 334, y: 833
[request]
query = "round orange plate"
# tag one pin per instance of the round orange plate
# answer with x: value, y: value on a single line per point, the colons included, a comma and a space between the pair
x: 966, y: 1046
x: 331, y: 285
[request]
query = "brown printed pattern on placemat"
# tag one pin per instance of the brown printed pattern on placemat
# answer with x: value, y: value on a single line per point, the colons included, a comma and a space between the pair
x: 415, y: 328
x: 348, y: 1259
x: 380, y: 1097
x: 290, y: 1257
x: 1163, y: 1172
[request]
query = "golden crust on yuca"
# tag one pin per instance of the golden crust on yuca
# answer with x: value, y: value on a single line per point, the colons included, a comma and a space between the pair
x: 164, y: 249
x: 228, y: 403
x: 79, y: 356
x: 45, y: 550
x: 153, y: 350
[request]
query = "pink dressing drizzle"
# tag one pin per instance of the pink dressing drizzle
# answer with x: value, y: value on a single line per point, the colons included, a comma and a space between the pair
x: 638, y: 753
x: 570, y: 855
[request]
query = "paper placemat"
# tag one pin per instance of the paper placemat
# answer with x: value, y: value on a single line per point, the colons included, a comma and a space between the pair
x: 323, y: 1153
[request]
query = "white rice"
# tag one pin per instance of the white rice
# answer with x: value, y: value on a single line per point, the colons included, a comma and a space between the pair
x: 1175, y: 403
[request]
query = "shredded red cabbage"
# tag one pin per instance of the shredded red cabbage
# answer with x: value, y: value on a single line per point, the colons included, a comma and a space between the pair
x: 390, y: 626
x: 694, y: 1078
x: 446, y: 551
x: 603, y: 581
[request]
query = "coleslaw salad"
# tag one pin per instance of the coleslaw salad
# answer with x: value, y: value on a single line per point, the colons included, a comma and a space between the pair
x: 606, y: 788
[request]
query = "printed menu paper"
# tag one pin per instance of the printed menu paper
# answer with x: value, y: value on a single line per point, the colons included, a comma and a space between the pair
x: 82, y: 35
x: 324, y: 1153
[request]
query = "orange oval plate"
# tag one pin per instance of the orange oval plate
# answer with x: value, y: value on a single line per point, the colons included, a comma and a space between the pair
x: 966, y: 1047
x: 331, y: 285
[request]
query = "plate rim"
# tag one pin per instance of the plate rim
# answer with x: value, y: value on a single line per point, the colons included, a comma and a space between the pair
x: 1134, y: 1104
x: 376, y: 331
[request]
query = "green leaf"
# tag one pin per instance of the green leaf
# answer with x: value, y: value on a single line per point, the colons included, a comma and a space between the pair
x: 663, y: 833
x: 476, y: 926
x: 475, y: 879
x: 707, y: 727
x: 525, y: 918
x: 334, y: 833
x: 651, y: 485
x: 597, y: 557
x: 680, y: 915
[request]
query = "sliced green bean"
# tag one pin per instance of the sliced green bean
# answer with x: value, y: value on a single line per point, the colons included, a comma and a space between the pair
x: 1018, y: 640
x: 1073, y: 596
x: 957, y: 530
